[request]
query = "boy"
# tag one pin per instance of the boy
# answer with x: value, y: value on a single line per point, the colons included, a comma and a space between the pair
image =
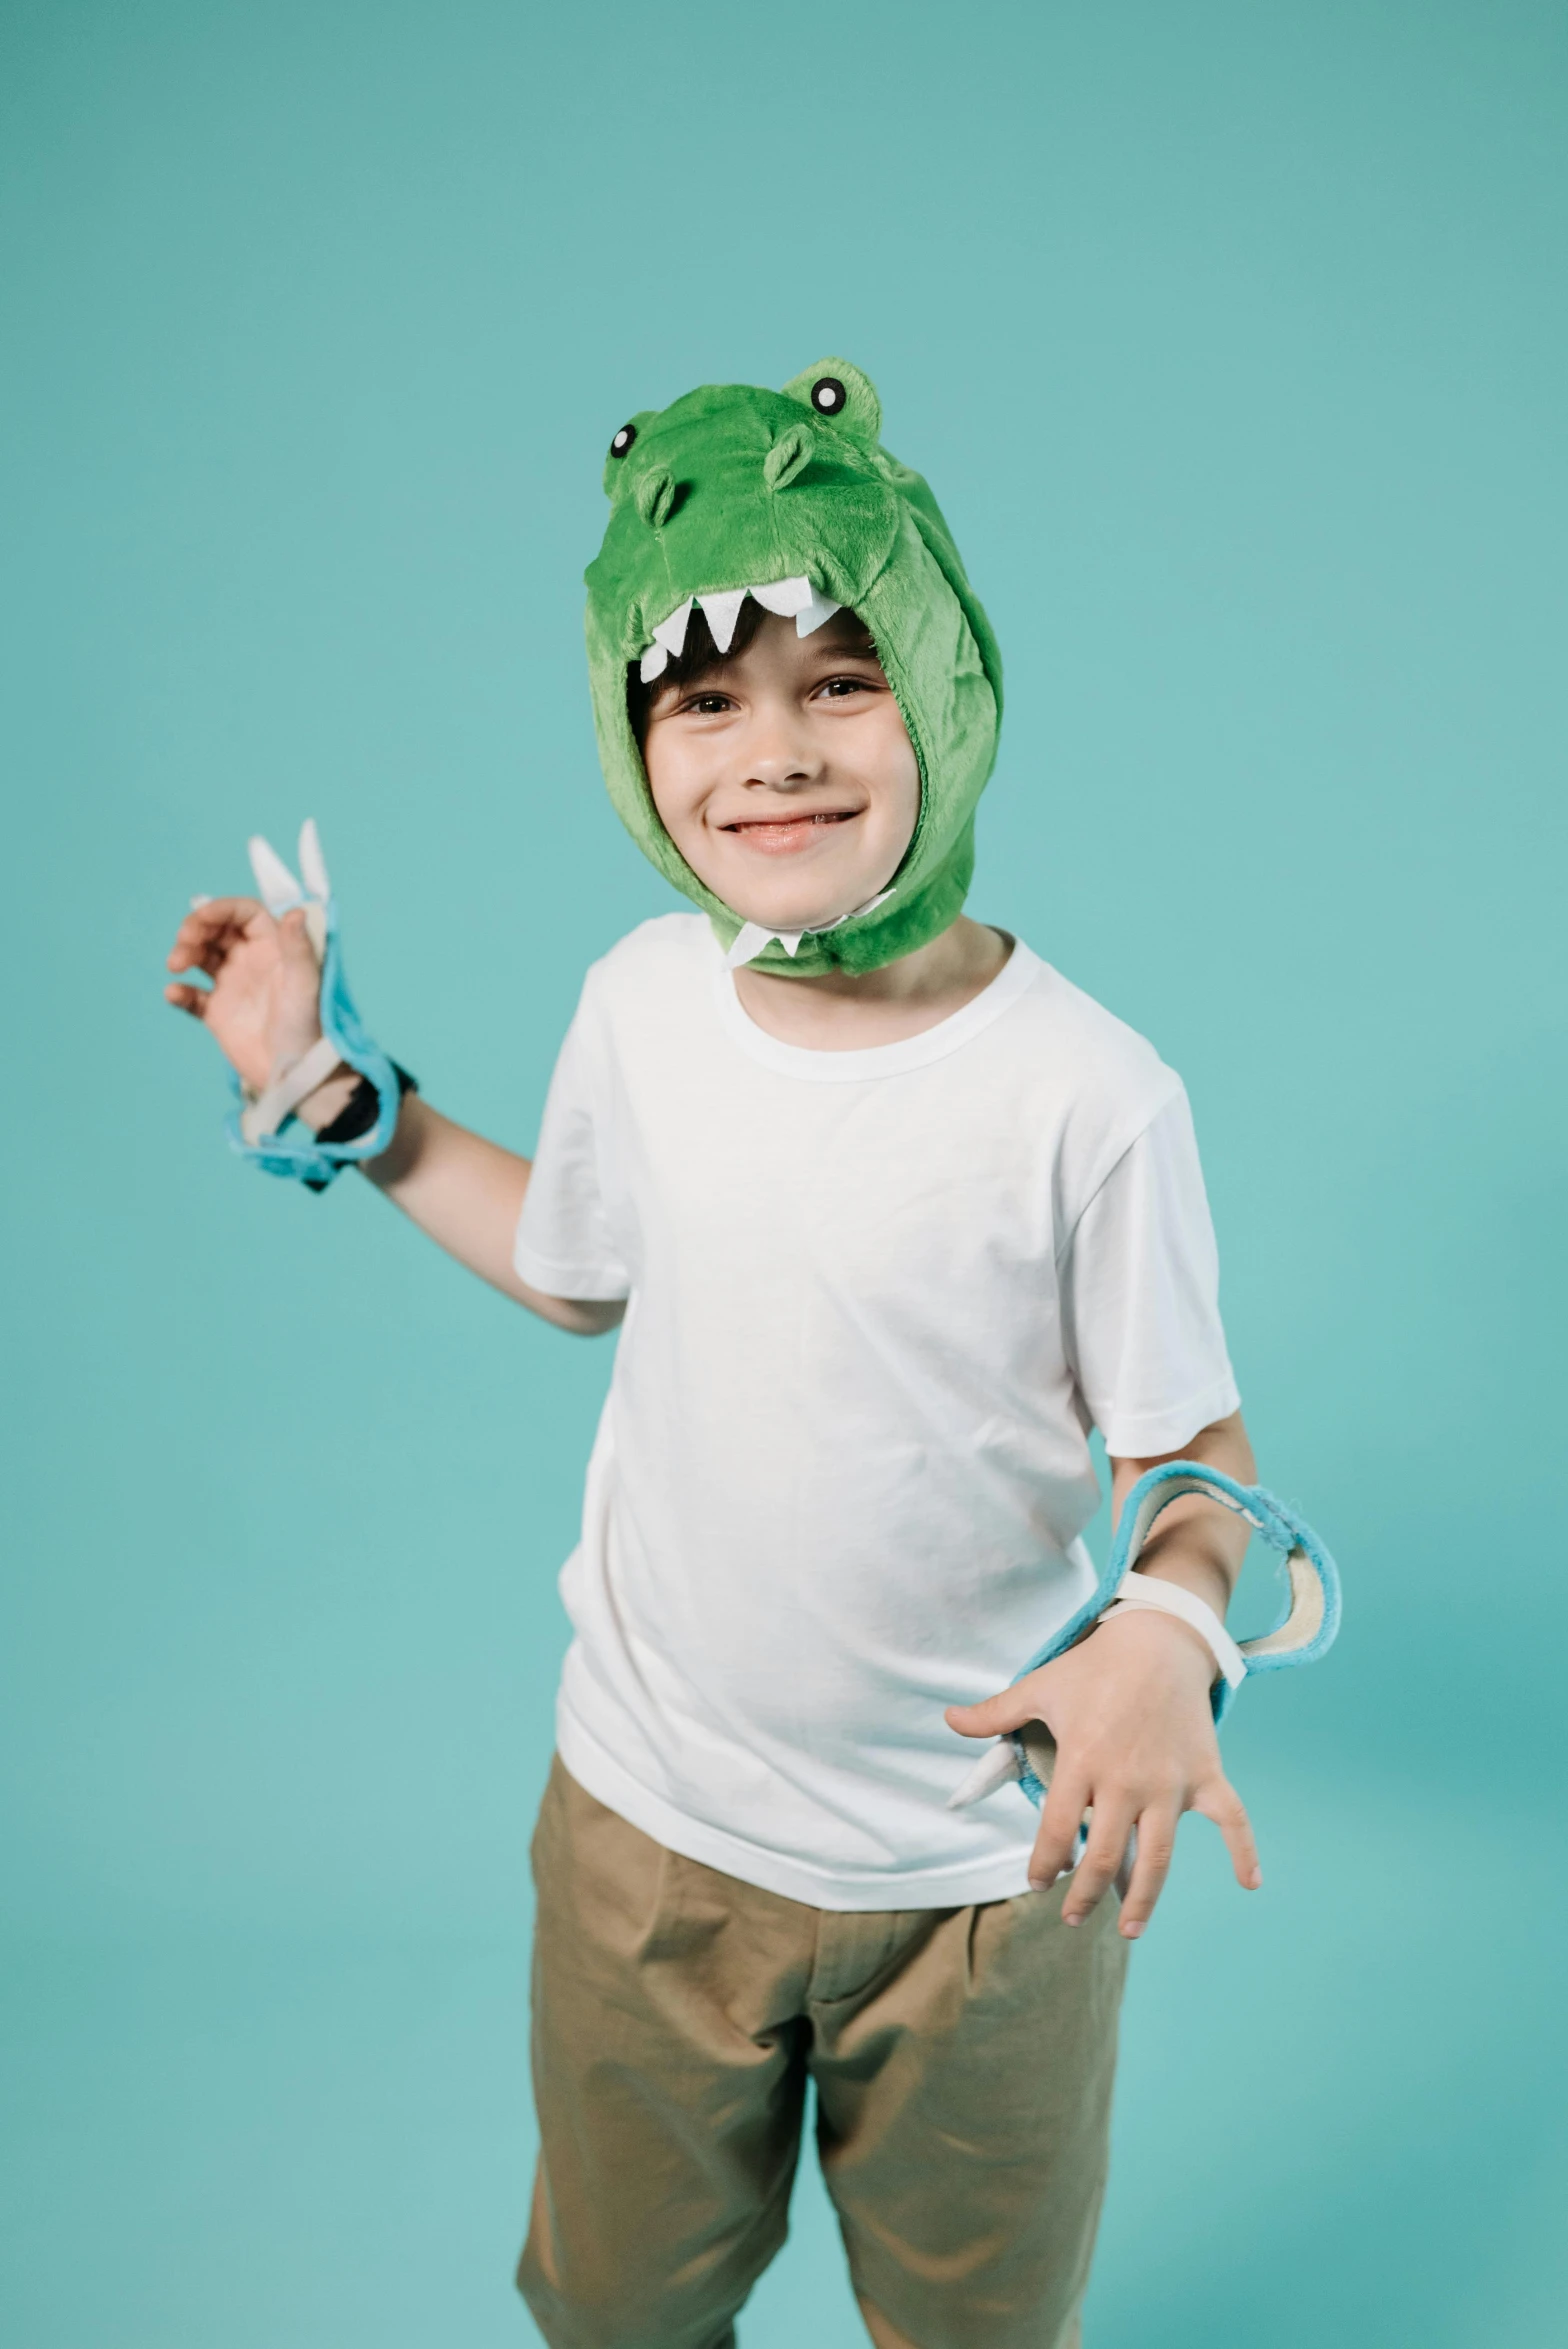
x: 890, y: 1215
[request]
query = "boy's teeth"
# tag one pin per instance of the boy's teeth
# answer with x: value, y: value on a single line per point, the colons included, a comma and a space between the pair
x: 787, y: 599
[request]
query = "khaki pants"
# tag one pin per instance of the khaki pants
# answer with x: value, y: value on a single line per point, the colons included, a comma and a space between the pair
x: 962, y: 2061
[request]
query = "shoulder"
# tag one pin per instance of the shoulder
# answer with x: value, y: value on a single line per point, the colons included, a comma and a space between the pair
x: 1092, y: 1081
x: 673, y: 953
x: 674, y: 949
x: 1104, y: 1064
x: 652, y: 988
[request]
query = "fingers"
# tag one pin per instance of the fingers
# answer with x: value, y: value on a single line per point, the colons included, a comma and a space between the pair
x: 1111, y: 1826
x: 192, y: 999
x: 299, y: 955
x: 1156, y: 1846
x: 209, y: 929
x: 1218, y: 1800
x: 1067, y: 1798
x: 1010, y: 1708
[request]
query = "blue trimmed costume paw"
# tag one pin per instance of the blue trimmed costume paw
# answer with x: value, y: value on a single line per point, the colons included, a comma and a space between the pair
x: 263, y: 1128
x: 1306, y: 1631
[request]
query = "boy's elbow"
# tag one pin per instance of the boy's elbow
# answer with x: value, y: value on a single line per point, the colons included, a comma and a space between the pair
x: 580, y: 1317
x: 596, y: 1317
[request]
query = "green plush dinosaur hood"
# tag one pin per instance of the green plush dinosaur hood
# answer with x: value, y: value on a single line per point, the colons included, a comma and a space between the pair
x: 790, y: 496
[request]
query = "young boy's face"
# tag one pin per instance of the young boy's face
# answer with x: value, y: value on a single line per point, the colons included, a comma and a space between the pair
x: 785, y: 776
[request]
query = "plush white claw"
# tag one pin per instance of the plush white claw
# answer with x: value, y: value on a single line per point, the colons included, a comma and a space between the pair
x: 312, y: 864
x: 810, y: 618
x: 997, y: 1768
x: 785, y: 597
x: 671, y: 633
x: 279, y: 889
x: 721, y: 612
x: 653, y: 663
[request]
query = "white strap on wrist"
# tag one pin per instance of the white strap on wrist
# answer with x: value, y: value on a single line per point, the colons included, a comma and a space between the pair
x: 266, y: 1112
x: 1169, y: 1598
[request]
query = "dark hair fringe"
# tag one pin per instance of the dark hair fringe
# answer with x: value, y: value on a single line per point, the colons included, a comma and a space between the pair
x: 699, y: 655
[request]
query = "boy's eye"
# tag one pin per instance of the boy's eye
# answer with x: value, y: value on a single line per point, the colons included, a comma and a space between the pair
x: 709, y: 705
x: 837, y: 687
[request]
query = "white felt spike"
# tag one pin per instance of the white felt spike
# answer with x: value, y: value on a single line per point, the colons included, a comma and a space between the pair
x: 653, y: 664
x: 810, y: 619
x: 312, y: 864
x: 750, y: 941
x: 784, y: 598
x: 202, y: 897
x: 721, y: 612
x: 278, y: 887
x: 997, y: 1768
x: 671, y: 633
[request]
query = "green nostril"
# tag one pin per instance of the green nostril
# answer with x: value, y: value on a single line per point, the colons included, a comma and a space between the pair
x: 655, y: 495
x: 790, y: 454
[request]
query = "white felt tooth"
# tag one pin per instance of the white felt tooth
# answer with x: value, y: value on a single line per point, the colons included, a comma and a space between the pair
x: 784, y: 598
x: 653, y: 664
x: 750, y: 941
x: 671, y: 633
x: 997, y: 1768
x: 278, y: 887
x: 312, y: 864
x: 811, y: 617
x: 722, y: 611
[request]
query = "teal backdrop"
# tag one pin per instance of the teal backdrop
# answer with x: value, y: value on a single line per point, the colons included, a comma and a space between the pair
x: 1232, y: 337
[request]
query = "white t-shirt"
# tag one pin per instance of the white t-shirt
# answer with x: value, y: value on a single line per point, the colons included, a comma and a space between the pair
x: 876, y: 1301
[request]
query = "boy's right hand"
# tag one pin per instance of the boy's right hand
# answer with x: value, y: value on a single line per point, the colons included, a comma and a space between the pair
x: 263, y: 1006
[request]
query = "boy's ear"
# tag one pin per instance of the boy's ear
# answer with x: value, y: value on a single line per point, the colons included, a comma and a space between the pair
x: 619, y: 472
x: 841, y: 395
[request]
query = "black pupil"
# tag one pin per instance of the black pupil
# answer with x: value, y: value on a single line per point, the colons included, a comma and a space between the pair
x: 828, y: 394
x: 623, y: 440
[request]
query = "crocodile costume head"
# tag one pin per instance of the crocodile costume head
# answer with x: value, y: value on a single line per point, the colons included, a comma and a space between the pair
x: 791, y: 497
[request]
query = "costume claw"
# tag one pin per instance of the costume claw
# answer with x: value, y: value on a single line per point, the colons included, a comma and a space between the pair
x: 279, y: 890
x: 997, y: 1768
x: 312, y: 864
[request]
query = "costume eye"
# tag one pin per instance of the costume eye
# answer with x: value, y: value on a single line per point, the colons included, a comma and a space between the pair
x: 828, y: 395
x: 623, y: 440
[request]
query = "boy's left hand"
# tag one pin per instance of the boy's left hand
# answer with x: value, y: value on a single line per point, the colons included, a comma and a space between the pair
x: 1135, y: 1744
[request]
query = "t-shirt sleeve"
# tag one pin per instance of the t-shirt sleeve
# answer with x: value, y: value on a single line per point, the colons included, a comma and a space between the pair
x: 1140, y: 1297
x: 564, y: 1244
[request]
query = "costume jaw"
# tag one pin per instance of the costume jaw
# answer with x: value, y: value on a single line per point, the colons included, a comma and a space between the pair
x: 787, y: 599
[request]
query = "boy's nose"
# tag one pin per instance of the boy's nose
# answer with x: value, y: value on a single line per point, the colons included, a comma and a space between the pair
x: 779, y: 773
x: 780, y: 754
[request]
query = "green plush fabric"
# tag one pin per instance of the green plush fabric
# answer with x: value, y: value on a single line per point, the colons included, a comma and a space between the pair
x: 734, y: 486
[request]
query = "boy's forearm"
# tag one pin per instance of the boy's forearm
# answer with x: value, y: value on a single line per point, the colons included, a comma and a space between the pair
x: 466, y: 1193
x: 1196, y: 1542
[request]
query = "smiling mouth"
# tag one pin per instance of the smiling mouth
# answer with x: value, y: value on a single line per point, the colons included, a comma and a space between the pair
x: 783, y: 835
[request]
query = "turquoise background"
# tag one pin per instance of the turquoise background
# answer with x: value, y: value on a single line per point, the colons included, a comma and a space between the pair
x: 1232, y: 338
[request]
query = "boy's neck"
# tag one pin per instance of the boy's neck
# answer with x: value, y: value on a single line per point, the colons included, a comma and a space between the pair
x: 849, y: 1011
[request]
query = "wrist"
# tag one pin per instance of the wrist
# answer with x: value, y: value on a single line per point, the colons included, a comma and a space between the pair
x: 1148, y: 1594
x: 1168, y: 1637
x: 329, y: 1100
